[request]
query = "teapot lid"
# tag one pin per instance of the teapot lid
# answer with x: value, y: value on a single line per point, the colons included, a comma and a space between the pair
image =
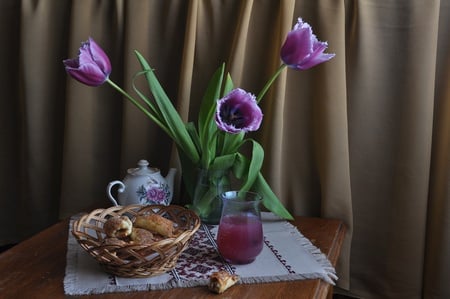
x: 143, y: 169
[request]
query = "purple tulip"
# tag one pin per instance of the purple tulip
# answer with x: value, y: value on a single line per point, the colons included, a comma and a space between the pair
x: 238, y: 112
x: 302, y: 50
x: 92, y: 66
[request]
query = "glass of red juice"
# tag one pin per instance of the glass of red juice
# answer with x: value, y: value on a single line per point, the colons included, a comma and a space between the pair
x: 240, y: 234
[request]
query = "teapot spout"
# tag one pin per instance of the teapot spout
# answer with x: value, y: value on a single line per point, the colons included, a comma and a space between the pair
x: 170, y: 177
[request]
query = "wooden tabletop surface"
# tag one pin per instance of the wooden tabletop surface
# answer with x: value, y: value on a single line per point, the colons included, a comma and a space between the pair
x: 35, y: 268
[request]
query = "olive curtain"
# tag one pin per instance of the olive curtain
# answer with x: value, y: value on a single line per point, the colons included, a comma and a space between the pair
x: 364, y: 137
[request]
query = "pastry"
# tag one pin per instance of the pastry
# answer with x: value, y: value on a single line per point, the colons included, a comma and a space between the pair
x: 155, y: 223
x: 220, y: 281
x: 118, y: 226
x: 114, y: 241
x: 142, y: 236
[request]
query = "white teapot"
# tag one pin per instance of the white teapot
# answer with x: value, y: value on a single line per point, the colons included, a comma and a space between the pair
x: 143, y: 185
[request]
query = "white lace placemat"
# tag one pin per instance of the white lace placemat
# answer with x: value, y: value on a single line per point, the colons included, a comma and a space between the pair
x: 287, y: 255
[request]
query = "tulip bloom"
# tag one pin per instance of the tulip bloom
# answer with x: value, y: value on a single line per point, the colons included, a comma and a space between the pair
x: 302, y: 50
x: 92, y: 66
x: 238, y: 112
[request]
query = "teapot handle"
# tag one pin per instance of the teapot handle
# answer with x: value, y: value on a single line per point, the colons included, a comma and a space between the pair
x: 108, y: 190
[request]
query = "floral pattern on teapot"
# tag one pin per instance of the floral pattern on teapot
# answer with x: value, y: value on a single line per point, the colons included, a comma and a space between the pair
x: 154, y: 194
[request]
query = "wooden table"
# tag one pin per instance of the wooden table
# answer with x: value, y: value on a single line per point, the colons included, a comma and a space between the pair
x: 35, y: 268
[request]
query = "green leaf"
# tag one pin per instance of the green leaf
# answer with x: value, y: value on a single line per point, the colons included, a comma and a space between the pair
x: 206, y: 126
x: 229, y: 85
x: 208, y: 106
x: 169, y: 114
x: 153, y: 115
x: 223, y: 162
x: 190, y: 127
x: 255, y: 165
x: 143, y: 97
x: 231, y: 142
x: 240, y: 166
x: 247, y: 169
x: 189, y: 173
x: 270, y: 200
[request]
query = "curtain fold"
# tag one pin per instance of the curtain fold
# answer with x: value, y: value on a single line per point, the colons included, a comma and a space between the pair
x: 391, y: 122
x: 364, y: 137
x: 437, y: 248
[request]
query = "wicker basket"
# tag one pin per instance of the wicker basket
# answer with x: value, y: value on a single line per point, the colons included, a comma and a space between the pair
x: 136, y: 260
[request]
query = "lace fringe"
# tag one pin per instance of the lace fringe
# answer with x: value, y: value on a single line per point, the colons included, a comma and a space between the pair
x: 330, y: 273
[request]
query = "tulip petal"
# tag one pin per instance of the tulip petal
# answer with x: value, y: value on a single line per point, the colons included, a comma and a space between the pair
x: 87, y: 74
x: 297, y: 46
x: 238, y: 112
x: 316, y: 57
x: 92, y: 66
x: 99, y: 57
x: 302, y: 50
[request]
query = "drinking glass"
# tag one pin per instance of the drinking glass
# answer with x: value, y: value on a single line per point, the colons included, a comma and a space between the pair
x: 240, y: 234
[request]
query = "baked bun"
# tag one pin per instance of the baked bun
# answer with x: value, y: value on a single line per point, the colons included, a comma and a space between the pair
x: 118, y: 227
x: 114, y: 241
x: 142, y: 236
x: 155, y: 223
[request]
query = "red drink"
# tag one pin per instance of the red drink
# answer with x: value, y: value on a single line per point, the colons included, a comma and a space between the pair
x: 240, y: 238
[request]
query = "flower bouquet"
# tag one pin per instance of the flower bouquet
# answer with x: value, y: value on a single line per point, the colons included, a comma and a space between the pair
x: 216, y: 141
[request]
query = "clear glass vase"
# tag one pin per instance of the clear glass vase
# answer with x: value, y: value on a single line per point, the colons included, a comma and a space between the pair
x: 207, y: 202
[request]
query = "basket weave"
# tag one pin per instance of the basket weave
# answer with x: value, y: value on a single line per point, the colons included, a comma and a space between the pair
x: 136, y: 260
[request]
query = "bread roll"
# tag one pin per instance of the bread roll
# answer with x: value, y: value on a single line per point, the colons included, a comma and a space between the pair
x: 118, y: 226
x: 155, y: 223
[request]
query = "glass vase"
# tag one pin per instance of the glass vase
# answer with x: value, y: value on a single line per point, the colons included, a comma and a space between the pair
x: 207, y: 202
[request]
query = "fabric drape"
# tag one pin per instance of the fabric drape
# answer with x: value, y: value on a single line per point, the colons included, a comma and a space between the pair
x: 364, y: 137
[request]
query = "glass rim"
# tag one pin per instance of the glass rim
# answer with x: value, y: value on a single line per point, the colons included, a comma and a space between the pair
x: 234, y: 195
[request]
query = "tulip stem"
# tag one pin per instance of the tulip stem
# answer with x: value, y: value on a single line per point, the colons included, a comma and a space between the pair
x: 270, y: 82
x: 141, y: 107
